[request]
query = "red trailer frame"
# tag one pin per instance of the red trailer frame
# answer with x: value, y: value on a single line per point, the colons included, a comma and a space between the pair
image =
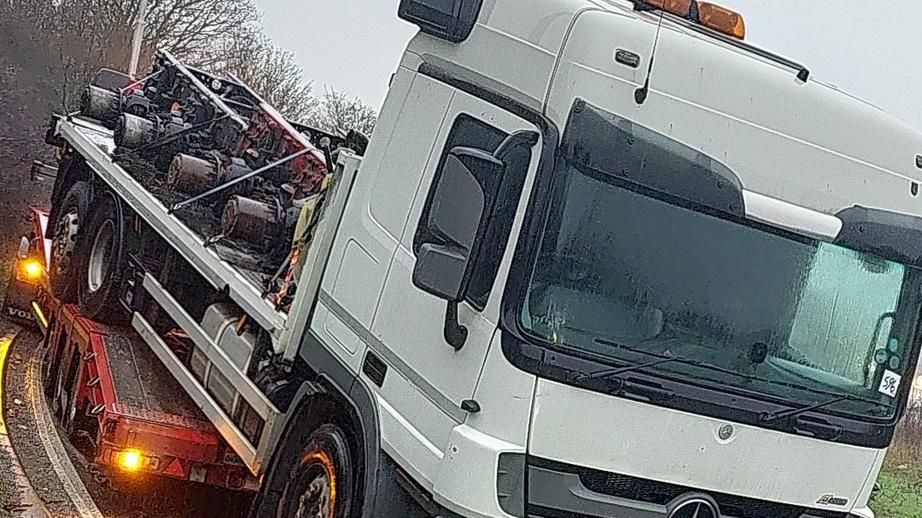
x: 107, y: 380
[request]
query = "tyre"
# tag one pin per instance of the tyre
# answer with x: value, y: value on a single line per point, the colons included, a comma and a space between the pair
x: 321, y: 482
x: 68, y: 410
x: 68, y: 220
x: 50, y: 365
x: 101, y: 254
x: 64, y: 394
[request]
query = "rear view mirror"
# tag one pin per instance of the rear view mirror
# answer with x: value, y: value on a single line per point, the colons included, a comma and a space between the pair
x: 43, y: 174
x: 461, y: 202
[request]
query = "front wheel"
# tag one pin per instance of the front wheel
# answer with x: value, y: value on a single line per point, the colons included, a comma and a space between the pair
x: 320, y: 484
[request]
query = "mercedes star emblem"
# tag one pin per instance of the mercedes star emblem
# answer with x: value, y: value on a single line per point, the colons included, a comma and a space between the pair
x: 693, y: 506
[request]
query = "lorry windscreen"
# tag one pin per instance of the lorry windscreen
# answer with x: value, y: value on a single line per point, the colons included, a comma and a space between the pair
x: 754, y: 308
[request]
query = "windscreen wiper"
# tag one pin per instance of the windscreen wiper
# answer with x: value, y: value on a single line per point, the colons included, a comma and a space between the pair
x: 663, y: 358
x: 765, y: 417
x: 771, y: 416
x: 609, y: 373
x: 784, y: 414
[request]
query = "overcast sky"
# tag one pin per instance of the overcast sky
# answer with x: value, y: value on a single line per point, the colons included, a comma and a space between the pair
x: 870, y: 49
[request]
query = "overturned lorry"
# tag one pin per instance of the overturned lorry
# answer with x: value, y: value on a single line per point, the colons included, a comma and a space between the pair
x: 222, y: 160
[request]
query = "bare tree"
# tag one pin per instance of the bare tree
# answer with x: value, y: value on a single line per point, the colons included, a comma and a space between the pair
x: 271, y: 71
x: 338, y: 113
x: 67, y: 40
x: 63, y: 42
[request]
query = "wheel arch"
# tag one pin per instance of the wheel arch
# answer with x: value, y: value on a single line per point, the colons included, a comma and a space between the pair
x: 356, y: 412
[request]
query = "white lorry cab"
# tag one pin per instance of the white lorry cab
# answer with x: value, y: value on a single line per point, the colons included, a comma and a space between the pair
x: 601, y: 258
x: 696, y: 284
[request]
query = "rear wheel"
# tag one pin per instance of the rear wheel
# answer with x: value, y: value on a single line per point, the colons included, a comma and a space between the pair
x: 66, y: 388
x: 101, y: 252
x: 67, y: 225
x: 320, y: 484
x: 51, y: 364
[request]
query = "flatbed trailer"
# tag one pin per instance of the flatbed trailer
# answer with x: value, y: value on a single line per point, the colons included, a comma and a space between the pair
x: 170, y: 238
x: 221, y: 268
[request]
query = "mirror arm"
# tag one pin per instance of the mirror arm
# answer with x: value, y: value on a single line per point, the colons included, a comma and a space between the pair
x: 455, y: 333
x: 527, y: 138
x: 872, y: 347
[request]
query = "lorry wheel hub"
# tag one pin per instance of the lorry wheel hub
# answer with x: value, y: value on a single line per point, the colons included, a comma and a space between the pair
x: 65, y: 240
x: 100, y: 256
x: 317, y: 500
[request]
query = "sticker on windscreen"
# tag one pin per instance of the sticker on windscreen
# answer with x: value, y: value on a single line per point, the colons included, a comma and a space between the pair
x: 890, y: 383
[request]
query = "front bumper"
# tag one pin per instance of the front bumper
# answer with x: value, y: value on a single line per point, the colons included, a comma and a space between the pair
x: 555, y: 489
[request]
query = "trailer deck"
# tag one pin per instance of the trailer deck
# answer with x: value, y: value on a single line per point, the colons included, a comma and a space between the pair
x: 248, y: 199
x: 226, y: 267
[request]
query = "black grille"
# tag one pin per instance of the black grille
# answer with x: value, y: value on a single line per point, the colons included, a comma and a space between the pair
x: 659, y: 493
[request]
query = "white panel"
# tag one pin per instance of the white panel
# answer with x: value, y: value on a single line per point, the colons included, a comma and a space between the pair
x: 514, y: 44
x: 505, y: 394
x: 410, y: 323
x: 646, y: 441
x: 422, y: 345
x: 381, y: 197
x: 589, y: 65
x: 409, y: 153
x: 406, y: 445
x: 368, y: 237
x: 804, y: 143
x: 467, y: 482
x: 359, y: 271
x: 343, y: 343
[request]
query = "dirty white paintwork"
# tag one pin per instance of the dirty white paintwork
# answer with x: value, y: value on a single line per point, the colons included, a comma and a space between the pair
x: 645, y: 441
x: 804, y: 151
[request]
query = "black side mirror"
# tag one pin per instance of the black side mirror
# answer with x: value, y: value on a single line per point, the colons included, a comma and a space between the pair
x: 461, y: 204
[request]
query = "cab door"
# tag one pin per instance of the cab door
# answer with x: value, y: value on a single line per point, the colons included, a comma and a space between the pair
x: 435, y: 376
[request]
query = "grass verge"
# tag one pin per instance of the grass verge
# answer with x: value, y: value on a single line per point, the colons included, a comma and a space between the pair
x: 900, y: 495
x: 901, y: 477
